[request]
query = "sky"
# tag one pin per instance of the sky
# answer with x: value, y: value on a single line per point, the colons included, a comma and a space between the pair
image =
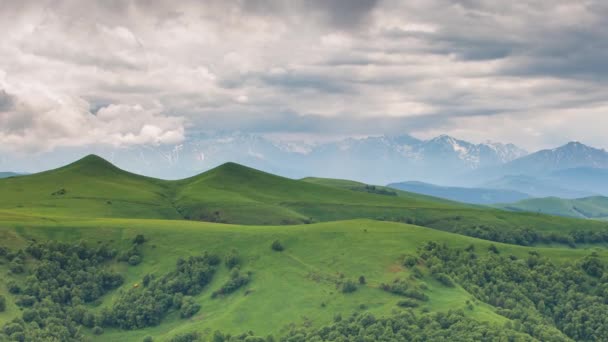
x: 134, y: 72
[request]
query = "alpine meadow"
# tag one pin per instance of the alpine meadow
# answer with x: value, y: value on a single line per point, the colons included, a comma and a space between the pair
x: 303, y: 171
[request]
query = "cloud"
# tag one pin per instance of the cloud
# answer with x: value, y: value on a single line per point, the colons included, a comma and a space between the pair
x: 6, y: 101
x: 320, y: 67
x: 46, y: 123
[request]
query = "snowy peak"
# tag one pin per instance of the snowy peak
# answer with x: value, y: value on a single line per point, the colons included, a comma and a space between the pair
x: 572, y: 155
x: 474, y: 155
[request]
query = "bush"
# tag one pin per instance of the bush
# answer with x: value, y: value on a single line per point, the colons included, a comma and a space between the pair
x: 2, y: 303
x: 97, y: 330
x: 236, y: 281
x: 362, y: 280
x: 410, y: 261
x: 139, y: 239
x: 444, y: 279
x: 277, y: 246
x: 232, y: 260
x: 349, y: 286
x: 187, y: 337
x: 148, y: 339
x: 408, y: 303
x: 189, y: 308
x: 134, y: 260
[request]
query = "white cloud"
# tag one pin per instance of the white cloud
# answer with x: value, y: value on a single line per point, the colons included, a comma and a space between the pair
x: 444, y: 64
x: 41, y: 123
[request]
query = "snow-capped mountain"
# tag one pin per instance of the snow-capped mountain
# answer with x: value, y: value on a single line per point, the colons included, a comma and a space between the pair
x: 571, y: 155
x: 375, y: 159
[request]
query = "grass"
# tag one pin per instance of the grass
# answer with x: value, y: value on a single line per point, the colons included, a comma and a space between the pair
x: 297, y: 286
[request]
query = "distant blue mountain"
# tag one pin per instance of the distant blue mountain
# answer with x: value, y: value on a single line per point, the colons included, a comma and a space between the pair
x: 8, y: 174
x: 537, y: 187
x: 467, y: 195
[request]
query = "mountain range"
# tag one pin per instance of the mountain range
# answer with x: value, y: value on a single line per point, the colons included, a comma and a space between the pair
x: 377, y: 160
x: 570, y: 171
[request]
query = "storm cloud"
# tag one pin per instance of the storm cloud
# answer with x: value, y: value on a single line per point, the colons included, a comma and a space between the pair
x: 148, y: 72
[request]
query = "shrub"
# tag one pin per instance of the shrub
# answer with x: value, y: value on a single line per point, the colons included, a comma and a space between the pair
x: 408, y: 303
x: 410, y: 261
x: 2, y: 303
x: 362, y: 280
x: 97, y: 330
x: 189, y: 308
x: 148, y: 339
x: 277, y: 246
x: 349, y: 286
x: 444, y: 279
x: 236, y: 281
x: 187, y: 337
x: 134, y: 260
x: 232, y: 260
x: 139, y: 239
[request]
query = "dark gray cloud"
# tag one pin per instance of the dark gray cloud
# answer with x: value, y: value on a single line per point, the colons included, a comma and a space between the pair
x: 7, y: 102
x: 479, y: 68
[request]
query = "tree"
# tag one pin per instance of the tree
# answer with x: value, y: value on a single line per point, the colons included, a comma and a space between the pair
x: 134, y: 260
x: 232, y: 259
x: 2, y: 303
x: 139, y: 239
x: 277, y: 246
x: 362, y: 280
x: 349, y: 286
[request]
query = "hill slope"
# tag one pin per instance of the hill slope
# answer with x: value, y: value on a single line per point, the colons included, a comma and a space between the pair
x: 233, y: 193
x: 90, y: 187
x: 589, y: 207
x: 300, y: 285
x: 467, y: 195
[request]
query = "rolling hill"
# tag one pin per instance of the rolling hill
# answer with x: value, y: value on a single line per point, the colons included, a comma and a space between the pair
x: 392, y: 268
x: 482, y: 196
x: 232, y: 193
x: 589, y: 208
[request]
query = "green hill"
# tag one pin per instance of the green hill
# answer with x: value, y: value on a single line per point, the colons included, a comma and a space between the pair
x: 300, y: 285
x: 232, y: 193
x: 90, y: 187
x: 589, y: 207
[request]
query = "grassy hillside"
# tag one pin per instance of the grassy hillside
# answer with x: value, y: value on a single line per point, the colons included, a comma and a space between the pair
x: 300, y: 285
x: 233, y: 193
x: 90, y: 187
x: 588, y: 208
